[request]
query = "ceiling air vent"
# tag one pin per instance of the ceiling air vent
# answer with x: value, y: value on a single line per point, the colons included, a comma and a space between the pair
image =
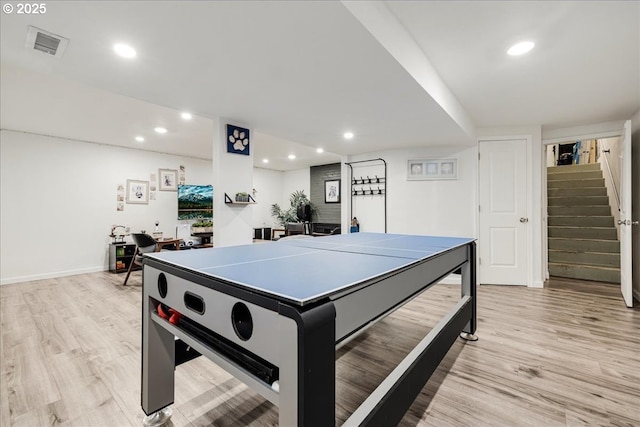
x: 46, y: 42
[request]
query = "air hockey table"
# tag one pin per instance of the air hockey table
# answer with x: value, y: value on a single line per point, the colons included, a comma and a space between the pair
x: 273, y: 315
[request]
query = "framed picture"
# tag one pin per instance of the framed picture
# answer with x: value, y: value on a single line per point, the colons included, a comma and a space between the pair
x: 332, y: 191
x: 168, y: 180
x: 432, y: 169
x: 416, y: 168
x: 238, y: 140
x: 138, y: 192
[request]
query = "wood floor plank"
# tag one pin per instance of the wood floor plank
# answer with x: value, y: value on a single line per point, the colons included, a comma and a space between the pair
x: 565, y: 355
x: 28, y: 382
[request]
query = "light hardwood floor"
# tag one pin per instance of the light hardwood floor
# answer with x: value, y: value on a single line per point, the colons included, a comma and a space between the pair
x: 566, y: 355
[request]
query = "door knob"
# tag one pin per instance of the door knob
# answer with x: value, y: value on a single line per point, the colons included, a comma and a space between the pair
x: 634, y: 222
x: 622, y: 222
x: 523, y: 220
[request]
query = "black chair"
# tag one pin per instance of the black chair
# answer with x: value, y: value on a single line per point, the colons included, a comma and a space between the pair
x: 293, y: 228
x: 144, y: 244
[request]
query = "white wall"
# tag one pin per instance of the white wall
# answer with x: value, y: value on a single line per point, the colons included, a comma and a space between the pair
x: 58, y: 202
x: 552, y: 155
x: 232, y: 174
x: 610, y: 166
x: 635, y: 208
x: 294, y: 180
x: 268, y: 185
x: 446, y: 207
x: 298, y: 179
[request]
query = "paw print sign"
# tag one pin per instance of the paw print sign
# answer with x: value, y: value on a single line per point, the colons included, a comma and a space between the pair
x: 237, y: 140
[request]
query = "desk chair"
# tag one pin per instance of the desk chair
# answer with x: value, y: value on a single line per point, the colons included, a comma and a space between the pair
x: 144, y: 244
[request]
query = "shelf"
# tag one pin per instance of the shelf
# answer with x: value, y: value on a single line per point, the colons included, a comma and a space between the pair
x: 229, y: 201
x: 120, y: 256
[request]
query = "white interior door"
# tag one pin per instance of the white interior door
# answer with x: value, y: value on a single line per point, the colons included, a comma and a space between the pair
x: 625, y: 215
x: 503, y: 237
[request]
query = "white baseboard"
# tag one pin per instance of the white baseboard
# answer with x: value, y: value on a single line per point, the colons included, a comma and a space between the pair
x: 537, y: 284
x: 53, y: 275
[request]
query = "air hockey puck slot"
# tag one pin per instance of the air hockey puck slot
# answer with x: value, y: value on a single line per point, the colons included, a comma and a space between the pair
x: 194, y: 302
x: 242, y: 321
x: 162, y: 285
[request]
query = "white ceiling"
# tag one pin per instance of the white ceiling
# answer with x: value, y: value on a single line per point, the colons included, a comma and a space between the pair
x: 300, y: 73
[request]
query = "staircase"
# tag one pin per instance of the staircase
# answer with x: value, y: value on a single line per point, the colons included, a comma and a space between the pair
x: 583, y: 242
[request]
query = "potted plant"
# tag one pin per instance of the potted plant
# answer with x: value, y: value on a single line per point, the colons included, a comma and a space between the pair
x: 242, y: 197
x: 297, y: 199
x: 202, y: 226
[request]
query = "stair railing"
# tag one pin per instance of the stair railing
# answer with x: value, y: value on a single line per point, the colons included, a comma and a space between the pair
x: 613, y: 181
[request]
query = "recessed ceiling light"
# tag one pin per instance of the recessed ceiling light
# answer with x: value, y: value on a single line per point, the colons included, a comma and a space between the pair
x: 319, y: 150
x: 520, y: 48
x: 265, y: 160
x: 124, y: 50
x: 348, y: 135
x: 291, y: 156
x: 139, y: 139
x: 160, y: 129
x: 186, y: 116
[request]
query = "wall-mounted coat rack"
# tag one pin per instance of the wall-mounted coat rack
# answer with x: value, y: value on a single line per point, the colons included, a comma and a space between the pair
x: 375, y: 186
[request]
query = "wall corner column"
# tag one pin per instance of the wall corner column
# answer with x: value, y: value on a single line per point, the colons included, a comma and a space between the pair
x: 232, y: 173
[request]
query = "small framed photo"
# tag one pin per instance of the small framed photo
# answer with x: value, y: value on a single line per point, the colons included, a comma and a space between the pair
x: 332, y: 191
x: 448, y: 169
x: 432, y: 169
x: 168, y: 180
x: 138, y: 192
x: 416, y: 168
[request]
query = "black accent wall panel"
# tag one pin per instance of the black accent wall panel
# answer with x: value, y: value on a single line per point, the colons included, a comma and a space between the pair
x: 326, y: 212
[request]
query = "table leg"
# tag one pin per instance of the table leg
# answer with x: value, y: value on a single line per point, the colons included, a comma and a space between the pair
x: 469, y: 284
x: 158, y: 360
x: 307, y: 374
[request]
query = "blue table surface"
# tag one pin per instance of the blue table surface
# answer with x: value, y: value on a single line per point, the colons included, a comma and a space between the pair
x: 308, y: 269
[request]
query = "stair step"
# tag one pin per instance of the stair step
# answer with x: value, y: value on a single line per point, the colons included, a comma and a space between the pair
x: 584, y: 245
x: 602, y: 233
x: 581, y: 221
x: 585, y: 258
x: 578, y: 201
x: 582, y: 237
x: 580, y: 191
x: 575, y: 183
x: 585, y: 272
x: 579, y: 210
x: 573, y: 168
x: 567, y: 176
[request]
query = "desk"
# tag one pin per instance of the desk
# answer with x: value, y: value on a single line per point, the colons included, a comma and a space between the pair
x: 168, y: 242
x: 277, y: 330
x: 277, y: 230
